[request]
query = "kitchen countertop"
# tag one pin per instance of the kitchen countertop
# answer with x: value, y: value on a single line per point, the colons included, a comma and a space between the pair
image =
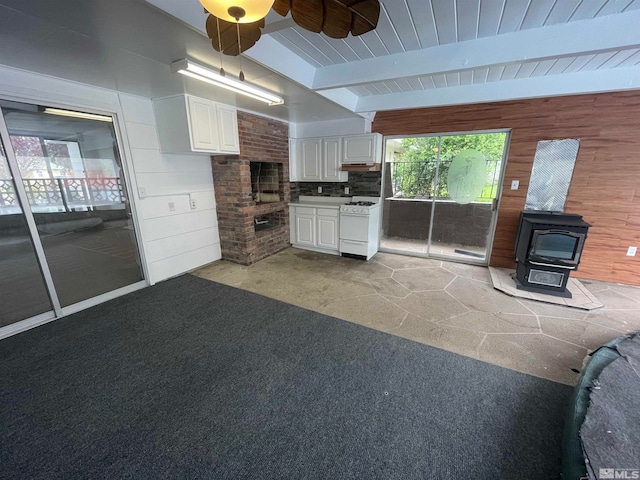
x: 327, y: 202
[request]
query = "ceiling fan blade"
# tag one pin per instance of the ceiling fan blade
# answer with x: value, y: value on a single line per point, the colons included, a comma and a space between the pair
x: 365, y: 15
x: 337, y: 20
x: 282, y: 7
x: 309, y: 14
x: 361, y: 26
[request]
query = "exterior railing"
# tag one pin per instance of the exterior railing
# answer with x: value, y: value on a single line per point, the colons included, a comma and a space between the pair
x: 412, y: 179
x: 64, y: 193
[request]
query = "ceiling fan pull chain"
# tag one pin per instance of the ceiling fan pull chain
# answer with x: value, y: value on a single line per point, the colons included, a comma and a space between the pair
x: 241, y: 76
x: 220, y: 46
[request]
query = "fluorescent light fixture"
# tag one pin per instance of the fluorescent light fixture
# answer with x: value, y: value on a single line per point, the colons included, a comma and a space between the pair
x: 193, y: 70
x: 71, y: 113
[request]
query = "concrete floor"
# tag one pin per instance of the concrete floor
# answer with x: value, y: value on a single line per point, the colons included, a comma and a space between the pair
x: 446, y: 305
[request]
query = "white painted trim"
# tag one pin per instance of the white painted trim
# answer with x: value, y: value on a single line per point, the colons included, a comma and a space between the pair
x: 257, y: 114
x: 47, y: 317
x: 92, y: 302
x: 270, y: 53
x: 316, y: 249
x: 27, y: 324
x: 599, y: 81
x: 342, y: 96
x: 30, y: 87
x: 27, y: 214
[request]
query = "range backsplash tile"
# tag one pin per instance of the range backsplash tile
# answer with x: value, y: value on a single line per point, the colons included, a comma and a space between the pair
x: 365, y: 184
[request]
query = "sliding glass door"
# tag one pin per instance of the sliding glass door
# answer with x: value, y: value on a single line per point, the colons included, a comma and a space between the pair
x: 66, y: 233
x: 23, y: 293
x: 440, y: 194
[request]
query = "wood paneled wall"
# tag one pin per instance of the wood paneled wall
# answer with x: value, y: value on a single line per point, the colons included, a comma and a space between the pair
x: 605, y: 187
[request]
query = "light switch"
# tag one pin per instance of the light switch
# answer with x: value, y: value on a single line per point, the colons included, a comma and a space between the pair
x: 515, y: 184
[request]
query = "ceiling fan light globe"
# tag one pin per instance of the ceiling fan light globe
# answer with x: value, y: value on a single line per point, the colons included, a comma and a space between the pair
x: 254, y: 10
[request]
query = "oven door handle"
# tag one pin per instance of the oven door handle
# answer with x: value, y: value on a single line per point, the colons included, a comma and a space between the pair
x: 540, y: 264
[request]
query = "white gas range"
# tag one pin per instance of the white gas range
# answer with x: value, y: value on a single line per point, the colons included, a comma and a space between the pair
x: 360, y: 227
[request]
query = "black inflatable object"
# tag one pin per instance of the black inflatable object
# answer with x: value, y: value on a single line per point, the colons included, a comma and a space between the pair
x: 596, y: 406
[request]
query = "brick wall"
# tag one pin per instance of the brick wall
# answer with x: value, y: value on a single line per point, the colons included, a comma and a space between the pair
x: 261, y: 140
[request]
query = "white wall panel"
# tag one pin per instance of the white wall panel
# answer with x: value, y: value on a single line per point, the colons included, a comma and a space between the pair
x: 152, y: 161
x: 154, y: 207
x: 181, y: 224
x: 142, y: 135
x: 171, y: 183
x: 137, y: 109
x: 175, y: 245
x: 170, y: 267
x: 176, y: 237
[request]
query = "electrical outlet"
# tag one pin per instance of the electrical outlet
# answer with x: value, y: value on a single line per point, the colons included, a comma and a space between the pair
x: 515, y: 184
x: 172, y: 207
x: 631, y: 251
x: 192, y: 202
x: 319, y: 189
x: 346, y: 190
x: 142, y: 192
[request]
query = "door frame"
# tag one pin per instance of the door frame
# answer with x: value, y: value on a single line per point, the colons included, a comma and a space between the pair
x: 124, y: 152
x: 494, y: 220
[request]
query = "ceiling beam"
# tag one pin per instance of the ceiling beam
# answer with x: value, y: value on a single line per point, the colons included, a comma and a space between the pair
x: 275, y: 56
x: 278, y: 25
x: 598, y: 81
x: 612, y: 32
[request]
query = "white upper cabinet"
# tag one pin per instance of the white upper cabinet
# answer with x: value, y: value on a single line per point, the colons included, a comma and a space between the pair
x: 322, y: 159
x: 362, y: 149
x: 316, y: 160
x: 188, y: 124
x: 203, y: 124
x: 311, y: 159
x: 228, y: 128
x: 332, y: 159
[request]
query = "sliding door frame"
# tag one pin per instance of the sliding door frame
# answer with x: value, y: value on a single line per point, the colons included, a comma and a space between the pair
x: 494, y: 220
x: 128, y: 178
x: 28, y: 215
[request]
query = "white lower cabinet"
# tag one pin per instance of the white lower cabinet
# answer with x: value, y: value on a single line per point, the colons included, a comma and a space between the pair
x: 305, y: 230
x: 314, y: 228
x: 327, y: 231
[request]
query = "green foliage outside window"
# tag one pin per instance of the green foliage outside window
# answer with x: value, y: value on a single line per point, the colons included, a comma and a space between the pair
x: 414, y: 164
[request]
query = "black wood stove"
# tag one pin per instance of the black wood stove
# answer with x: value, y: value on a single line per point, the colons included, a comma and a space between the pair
x: 548, y: 249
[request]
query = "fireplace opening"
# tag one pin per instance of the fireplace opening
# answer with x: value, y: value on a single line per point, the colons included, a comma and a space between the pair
x: 266, y: 182
x: 269, y: 221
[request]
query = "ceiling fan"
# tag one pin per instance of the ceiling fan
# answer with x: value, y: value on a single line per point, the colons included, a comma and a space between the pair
x: 234, y: 26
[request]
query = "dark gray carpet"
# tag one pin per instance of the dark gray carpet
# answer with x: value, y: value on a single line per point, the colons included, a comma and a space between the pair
x: 192, y: 379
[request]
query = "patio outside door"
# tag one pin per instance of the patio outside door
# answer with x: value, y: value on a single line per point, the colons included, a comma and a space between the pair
x: 441, y: 193
x: 66, y: 235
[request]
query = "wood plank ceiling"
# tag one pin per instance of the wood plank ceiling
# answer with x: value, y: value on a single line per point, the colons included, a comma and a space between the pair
x: 446, y: 52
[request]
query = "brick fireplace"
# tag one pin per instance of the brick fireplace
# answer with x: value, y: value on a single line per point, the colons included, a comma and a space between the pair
x: 253, y: 191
